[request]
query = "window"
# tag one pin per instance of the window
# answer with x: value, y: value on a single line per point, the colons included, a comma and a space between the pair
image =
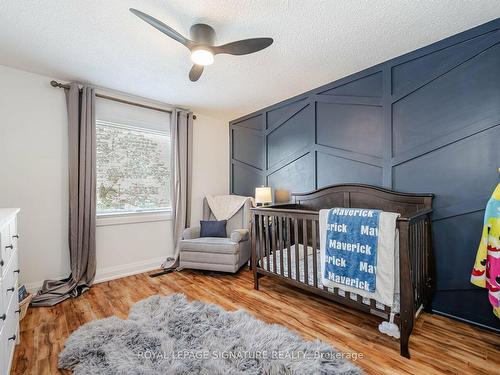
x: 132, y: 163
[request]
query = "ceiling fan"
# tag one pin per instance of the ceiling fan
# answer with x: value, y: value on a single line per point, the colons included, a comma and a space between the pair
x: 202, y: 43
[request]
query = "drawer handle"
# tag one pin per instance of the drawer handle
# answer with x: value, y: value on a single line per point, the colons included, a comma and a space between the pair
x: 11, y: 289
x: 17, y: 271
x: 1, y: 263
x: 15, y: 236
x: 17, y: 311
x: 3, y: 317
x: 9, y: 247
x: 13, y: 337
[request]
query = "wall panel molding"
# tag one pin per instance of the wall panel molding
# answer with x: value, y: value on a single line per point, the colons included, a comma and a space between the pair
x: 334, y: 169
x: 278, y: 116
x: 369, y: 86
x: 445, y: 140
x: 427, y: 121
x: 245, y: 144
x: 347, y: 126
x: 289, y: 159
x: 460, y: 53
x: 290, y: 136
x: 251, y: 122
x: 463, y: 96
x: 373, y: 101
x: 298, y: 175
x: 247, y: 166
x: 346, y: 154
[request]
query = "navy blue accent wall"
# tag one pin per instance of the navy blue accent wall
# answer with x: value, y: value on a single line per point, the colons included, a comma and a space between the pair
x: 427, y: 121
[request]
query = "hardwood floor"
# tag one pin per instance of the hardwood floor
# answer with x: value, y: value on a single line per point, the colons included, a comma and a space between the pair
x: 438, y: 345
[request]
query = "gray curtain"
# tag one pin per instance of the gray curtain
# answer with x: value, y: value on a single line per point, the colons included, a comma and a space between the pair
x: 181, y: 132
x: 82, y: 200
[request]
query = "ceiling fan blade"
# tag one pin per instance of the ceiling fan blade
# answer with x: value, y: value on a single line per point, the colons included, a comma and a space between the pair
x: 162, y: 27
x: 195, y: 72
x: 244, y: 47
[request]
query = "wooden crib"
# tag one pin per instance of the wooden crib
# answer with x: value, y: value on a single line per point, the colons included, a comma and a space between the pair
x: 281, y: 232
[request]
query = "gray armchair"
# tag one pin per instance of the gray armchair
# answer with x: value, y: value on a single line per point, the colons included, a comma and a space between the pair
x: 214, y: 253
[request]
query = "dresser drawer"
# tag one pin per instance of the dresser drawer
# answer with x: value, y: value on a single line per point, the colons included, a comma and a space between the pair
x: 10, y: 332
x: 9, y: 281
x: 13, y: 231
x: 7, y: 246
x: 4, y: 305
x: 13, y: 235
x: 3, y: 351
x: 4, y: 241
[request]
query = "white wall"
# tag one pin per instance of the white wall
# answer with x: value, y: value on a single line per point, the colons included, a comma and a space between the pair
x: 33, y: 176
x: 210, y: 161
x: 126, y: 249
x: 33, y: 172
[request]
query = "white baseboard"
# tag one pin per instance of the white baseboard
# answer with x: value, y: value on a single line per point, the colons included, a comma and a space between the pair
x: 112, y: 273
x: 116, y: 272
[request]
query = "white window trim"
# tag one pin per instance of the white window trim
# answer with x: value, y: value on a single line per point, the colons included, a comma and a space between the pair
x: 121, y: 218
x: 141, y: 129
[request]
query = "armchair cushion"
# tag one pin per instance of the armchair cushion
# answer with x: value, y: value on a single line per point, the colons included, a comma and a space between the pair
x: 239, y: 235
x: 191, y: 233
x: 213, y: 228
x: 209, y: 245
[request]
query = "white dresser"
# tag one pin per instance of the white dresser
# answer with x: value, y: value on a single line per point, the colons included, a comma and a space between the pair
x: 9, y: 272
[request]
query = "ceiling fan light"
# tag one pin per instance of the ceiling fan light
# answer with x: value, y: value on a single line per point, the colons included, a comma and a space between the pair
x: 202, y: 57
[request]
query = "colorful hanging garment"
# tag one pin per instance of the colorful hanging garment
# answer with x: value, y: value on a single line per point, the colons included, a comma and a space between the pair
x: 486, y: 271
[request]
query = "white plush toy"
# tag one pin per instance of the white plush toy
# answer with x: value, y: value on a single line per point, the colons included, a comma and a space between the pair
x: 389, y: 328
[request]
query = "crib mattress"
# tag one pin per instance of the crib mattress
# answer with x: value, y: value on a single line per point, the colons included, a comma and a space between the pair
x: 263, y: 262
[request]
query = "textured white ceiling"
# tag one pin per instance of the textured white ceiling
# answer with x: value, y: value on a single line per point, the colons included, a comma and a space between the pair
x: 315, y: 42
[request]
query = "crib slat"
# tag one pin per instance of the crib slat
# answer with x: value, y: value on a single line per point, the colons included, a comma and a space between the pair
x: 410, y: 240
x: 424, y: 258
x: 427, y: 269
x: 268, y: 247
x: 417, y: 266
x: 304, y: 244
x: 296, y: 239
x: 413, y: 260
x: 273, y: 237
x: 288, y: 247
x: 281, y: 243
x: 415, y: 252
x: 261, y: 242
x: 421, y: 247
x: 416, y: 270
x: 315, y: 255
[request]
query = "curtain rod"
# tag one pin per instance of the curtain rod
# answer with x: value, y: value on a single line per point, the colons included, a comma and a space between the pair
x: 64, y: 86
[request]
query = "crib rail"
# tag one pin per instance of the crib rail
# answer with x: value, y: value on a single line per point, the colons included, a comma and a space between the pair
x: 285, y: 243
x: 421, y: 261
x: 280, y: 238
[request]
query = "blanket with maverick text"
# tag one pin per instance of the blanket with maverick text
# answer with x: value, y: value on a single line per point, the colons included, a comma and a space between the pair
x: 359, y: 253
x: 351, y: 247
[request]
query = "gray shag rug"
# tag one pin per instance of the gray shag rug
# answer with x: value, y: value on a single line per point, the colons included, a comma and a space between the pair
x: 169, y: 335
